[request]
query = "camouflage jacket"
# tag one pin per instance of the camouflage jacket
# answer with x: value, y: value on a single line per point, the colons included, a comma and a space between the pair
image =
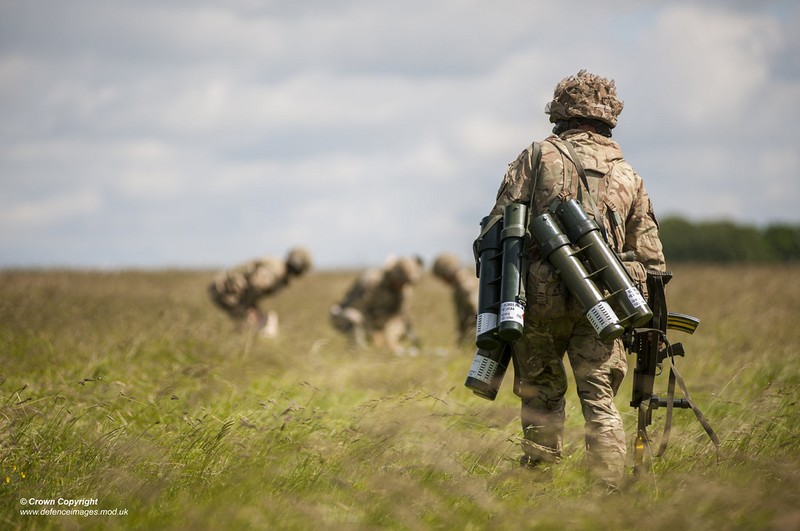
x: 619, y: 194
x: 246, y: 283
x: 376, y: 298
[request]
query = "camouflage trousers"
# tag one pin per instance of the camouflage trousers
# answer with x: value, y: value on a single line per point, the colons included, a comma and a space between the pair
x: 228, y: 301
x: 541, y: 383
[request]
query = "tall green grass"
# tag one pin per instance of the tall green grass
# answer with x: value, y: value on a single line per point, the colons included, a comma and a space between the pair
x: 130, y: 388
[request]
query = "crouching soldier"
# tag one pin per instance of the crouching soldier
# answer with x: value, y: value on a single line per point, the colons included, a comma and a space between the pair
x: 375, y: 308
x: 238, y: 291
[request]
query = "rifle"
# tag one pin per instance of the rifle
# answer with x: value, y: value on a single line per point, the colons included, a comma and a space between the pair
x: 652, y: 348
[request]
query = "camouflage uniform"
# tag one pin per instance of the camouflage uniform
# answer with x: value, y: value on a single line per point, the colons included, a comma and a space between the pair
x: 375, y: 308
x: 554, y: 322
x: 465, y: 293
x: 237, y: 291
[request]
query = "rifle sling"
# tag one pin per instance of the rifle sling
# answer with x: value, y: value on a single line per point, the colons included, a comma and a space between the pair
x: 662, y: 447
x: 675, y: 376
x: 656, y: 281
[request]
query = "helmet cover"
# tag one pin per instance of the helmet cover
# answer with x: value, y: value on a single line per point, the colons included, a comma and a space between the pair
x: 585, y: 95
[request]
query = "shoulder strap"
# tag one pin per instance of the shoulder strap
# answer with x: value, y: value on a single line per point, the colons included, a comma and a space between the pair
x: 578, y: 166
x: 573, y: 156
x: 534, y: 156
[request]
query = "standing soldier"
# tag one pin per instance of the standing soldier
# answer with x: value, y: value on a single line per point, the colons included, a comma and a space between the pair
x: 462, y: 279
x: 375, y: 308
x: 584, y: 110
x: 238, y: 291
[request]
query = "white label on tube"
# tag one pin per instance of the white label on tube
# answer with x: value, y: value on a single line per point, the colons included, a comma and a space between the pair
x: 637, y: 301
x: 486, y: 322
x: 512, y: 311
x: 601, y: 315
x: 483, y: 369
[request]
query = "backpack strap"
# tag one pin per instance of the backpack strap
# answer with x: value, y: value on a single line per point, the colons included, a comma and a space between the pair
x: 573, y: 157
x: 534, y: 156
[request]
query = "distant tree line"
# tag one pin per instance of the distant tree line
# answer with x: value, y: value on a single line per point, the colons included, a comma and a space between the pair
x: 724, y: 241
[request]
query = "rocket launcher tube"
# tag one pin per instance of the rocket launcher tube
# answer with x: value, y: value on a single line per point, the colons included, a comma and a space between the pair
x: 512, y: 302
x: 584, y: 232
x: 487, y: 371
x: 489, y: 254
x: 556, y: 248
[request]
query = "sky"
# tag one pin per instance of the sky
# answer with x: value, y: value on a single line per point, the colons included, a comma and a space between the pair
x: 198, y: 134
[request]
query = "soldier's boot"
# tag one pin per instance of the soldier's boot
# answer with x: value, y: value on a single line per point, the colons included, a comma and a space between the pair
x: 359, y: 336
x: 270, y: 327
x: 541, y: 444
x: 254, y: 319
x: 606, y: 461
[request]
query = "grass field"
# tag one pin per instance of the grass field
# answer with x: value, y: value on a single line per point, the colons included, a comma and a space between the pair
x: 128, y: 392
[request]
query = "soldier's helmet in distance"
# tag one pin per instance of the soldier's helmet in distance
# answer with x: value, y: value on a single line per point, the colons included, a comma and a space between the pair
x: 405, y: 271
x: 298, y: 260
x: 446, y: 266
x: 585, y: 95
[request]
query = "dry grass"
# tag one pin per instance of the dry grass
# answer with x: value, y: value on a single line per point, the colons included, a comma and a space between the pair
x: 129, y: 387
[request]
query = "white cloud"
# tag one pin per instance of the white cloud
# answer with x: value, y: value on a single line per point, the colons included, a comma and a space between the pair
x: 708, y: 61
x: 50, y: 210
x: 197, y: 131
x: 776, y: 175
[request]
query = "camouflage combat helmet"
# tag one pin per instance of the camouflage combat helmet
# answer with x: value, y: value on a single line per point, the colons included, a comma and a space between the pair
x: 405, y: 271
x: 585, y: 95
x: 445, y: 266
x: 298, y: 261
